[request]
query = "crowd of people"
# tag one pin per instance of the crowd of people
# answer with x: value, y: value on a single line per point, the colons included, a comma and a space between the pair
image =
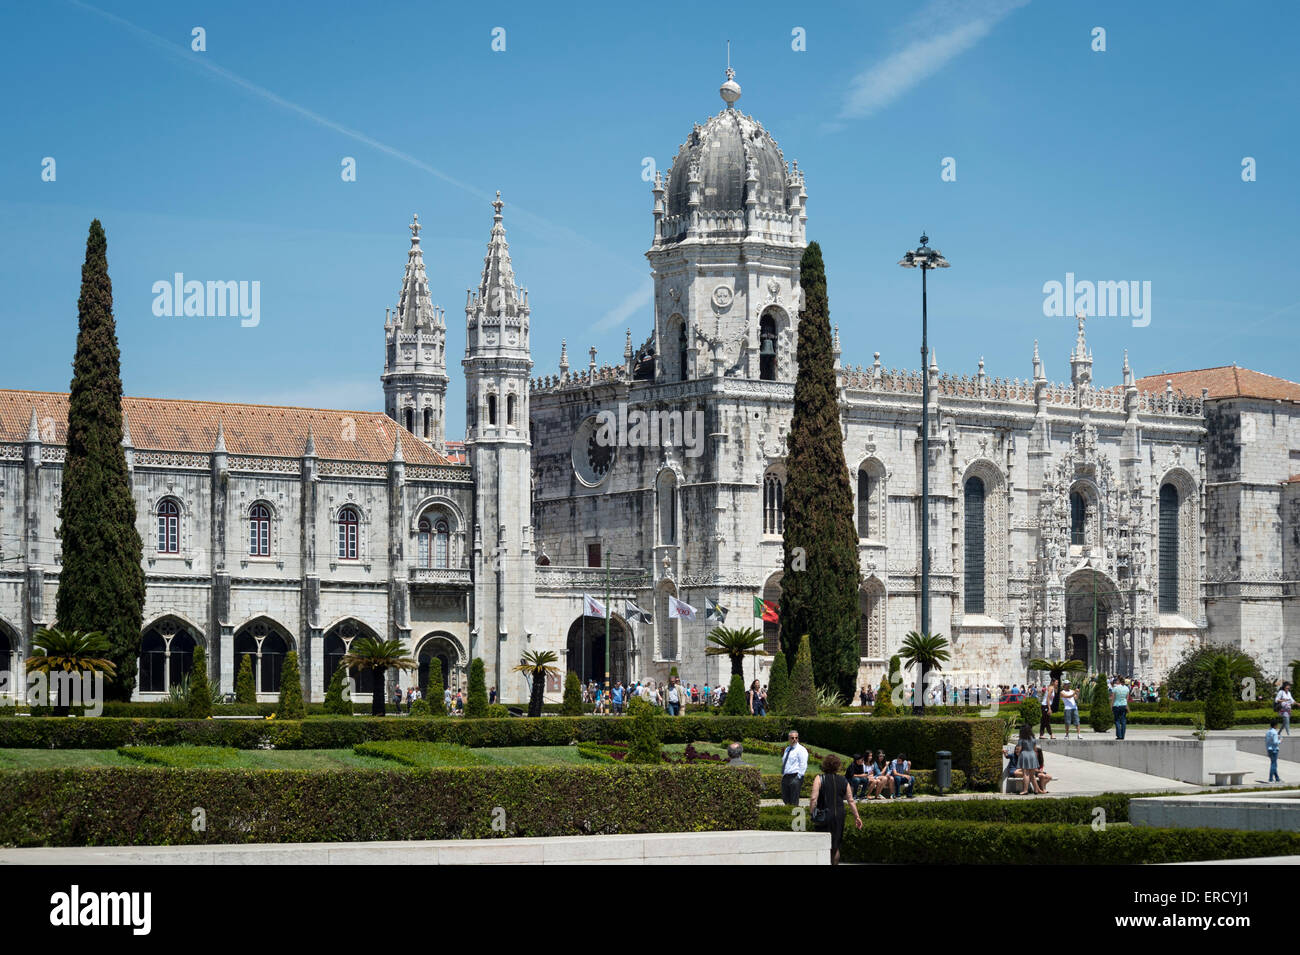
x: 672, y: 696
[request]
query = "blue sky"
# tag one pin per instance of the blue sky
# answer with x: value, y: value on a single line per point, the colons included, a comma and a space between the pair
x: 1116, y: 165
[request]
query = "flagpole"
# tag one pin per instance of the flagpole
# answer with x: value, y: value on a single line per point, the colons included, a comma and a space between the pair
x: 607, y: 619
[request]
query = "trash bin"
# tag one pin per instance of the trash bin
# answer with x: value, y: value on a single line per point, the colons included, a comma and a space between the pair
x: 943, y: 770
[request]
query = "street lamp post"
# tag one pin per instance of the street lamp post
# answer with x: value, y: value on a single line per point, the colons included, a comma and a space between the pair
x: 925, y: 258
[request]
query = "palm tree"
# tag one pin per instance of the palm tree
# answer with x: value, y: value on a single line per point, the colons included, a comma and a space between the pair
x: 930, y: 651
x: 735, y: 643
x: 538, y: 665
x: 68, y: 651
x: 1056, y: 669
x: 371, y: 653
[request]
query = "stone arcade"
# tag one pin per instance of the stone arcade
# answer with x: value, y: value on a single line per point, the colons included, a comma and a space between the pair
x: 1166, y: 516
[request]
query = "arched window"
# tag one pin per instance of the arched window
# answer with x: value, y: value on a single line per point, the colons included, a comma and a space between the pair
x: 974, y: 552
x: 441, y: 543
x: 767, y: 348
x: 772, y: 628
x: 274, y: 649
x: 510, y: 409
x: 773, y: 505
x: 410, y: 420
x: 6, y: 651
x: 667, y: 497
x: 424, y: 543
x: 349, y: 524
x: 428, y: 422
x: 871, y: 621
x: 864, y: 503
x: 492, y: 410
x: 1168, y: 548
x: 259, y: 531
x: 169, y: 527
x: 1078, y: 518
x: 682, y: 358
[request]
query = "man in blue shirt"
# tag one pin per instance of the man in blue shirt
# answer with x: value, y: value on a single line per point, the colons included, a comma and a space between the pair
x: 618, y: 699
x: 1272, y: 744
x: 901, y: 770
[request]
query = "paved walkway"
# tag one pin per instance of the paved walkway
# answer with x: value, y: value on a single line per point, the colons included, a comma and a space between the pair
x: 1081, y: 777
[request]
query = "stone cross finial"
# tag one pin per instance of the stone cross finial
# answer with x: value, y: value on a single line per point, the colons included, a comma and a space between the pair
x: 497, y: 204
x: 415, y: 228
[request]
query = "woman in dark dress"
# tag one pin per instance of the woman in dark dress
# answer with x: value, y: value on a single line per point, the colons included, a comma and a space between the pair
x: 830, y: 791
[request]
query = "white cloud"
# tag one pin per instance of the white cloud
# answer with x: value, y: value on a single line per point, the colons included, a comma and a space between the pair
x: 947, y: 31
x: 620, y: 313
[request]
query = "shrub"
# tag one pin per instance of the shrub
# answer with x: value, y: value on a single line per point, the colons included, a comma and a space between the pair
x: 1031, y: 712
x: 245, y: 688
x: 643, y: 744
x: 778, y: 685
x: 436, y: 689
x: 199, y: 704
x: 498, y: 711
x: 334, y: 702
x: 146, y: 806
x: 1219, y: 710
x: 1100, y: 716
x: 1165, y: 703
x: 421, y: 754
x: 802, y: 700
x: 290, y: 706
x: 884, y: 705
x: 419, y: 709
x: 734, y: 704
x: 476, y: 703
x: 572, y: 705
x: 1192, y: 683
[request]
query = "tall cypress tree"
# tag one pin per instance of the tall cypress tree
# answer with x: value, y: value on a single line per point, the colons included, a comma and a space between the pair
x: 101, y: 585
x: 819, y: 589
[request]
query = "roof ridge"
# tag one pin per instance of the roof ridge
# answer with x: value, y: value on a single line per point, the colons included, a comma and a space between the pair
x: 204, y: 401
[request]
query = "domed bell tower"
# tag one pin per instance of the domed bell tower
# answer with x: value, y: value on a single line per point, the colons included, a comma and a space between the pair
x: 729, y: 231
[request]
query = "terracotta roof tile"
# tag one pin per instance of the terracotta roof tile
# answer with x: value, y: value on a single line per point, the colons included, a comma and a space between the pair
x: 1226, y: 381
x: 170, y: 424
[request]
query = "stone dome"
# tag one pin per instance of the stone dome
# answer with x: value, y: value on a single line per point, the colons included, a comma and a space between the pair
x: 721, y: 148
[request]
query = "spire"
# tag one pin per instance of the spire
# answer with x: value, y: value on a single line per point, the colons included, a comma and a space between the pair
x: 220, y: 446
x: 1128, y: 372
x: 1081, y: 358
x: 309, y: 450
x: 414, y: 308
x: 497, y: 290
x: 564, y: 358
x: 1038, y: 364
x: 126, y: 431
x: 397, y: 444
x: 33, y: 427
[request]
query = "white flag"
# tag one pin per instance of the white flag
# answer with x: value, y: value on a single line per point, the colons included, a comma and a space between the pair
x: 680, y: 609
x: 591, y: 607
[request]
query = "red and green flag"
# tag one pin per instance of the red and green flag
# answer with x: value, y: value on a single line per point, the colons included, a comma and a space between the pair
x: 766, y: 609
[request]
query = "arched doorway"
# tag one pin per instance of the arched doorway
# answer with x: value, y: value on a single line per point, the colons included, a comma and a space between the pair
x: 1092, y: 601
x: 338, y: 640
x: 267, y: 643
x: 444, y: 650
x: 167, y: 655
x: 586, y: 649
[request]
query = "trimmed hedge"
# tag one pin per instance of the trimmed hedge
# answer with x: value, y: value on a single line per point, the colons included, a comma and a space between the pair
x: 975, y: 744
x: 1076, y: 810
x: 950, y: 842
x: 924, y: 787
x: 143, y: 806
